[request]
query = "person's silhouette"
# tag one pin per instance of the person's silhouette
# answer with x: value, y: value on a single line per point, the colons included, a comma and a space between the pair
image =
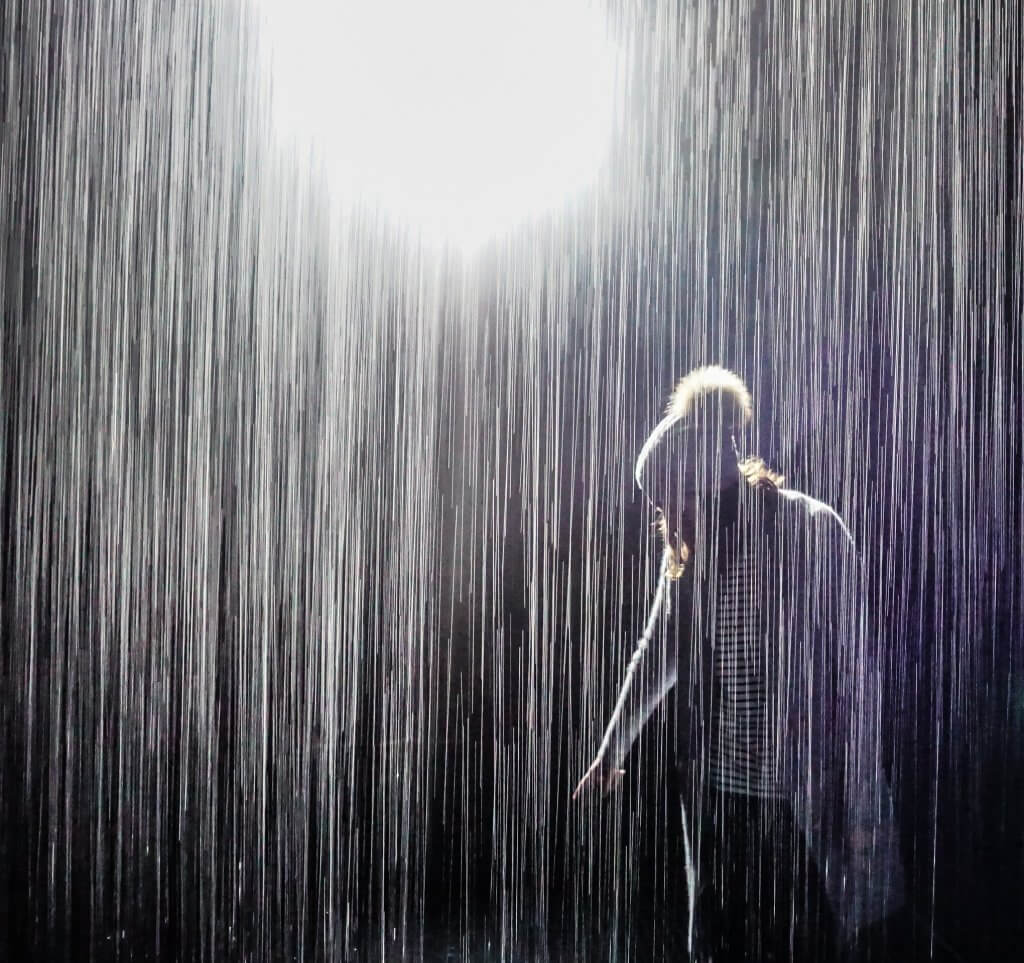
x: 791, y: 841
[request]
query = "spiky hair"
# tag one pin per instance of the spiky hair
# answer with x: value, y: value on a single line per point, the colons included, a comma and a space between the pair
x: 711, y: 380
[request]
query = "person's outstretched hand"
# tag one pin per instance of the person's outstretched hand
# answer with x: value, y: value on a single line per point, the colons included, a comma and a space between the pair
x: 600, y: 775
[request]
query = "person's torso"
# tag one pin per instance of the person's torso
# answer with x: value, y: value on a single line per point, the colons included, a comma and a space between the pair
x: 745, y: 670
x: 733, y: 645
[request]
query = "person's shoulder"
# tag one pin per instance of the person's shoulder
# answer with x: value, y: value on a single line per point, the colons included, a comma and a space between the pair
x: 817, y: 515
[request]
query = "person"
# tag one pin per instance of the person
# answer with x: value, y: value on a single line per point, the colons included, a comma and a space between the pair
x: 758, y: 621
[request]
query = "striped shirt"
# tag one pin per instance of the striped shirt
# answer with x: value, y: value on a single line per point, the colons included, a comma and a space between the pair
x: 742, y: 760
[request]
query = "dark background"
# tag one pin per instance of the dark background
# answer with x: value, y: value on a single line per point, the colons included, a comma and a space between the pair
x: 321, y: 556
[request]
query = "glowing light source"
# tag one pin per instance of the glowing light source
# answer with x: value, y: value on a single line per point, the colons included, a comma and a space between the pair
x: 461, y: 117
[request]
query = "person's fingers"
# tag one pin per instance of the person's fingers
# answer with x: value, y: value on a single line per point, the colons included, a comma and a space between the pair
x: 607, y: 779
x: 581, y: 783
x: 586, y: 778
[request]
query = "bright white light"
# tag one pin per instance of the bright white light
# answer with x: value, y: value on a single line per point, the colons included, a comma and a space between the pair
x: 461, y: 117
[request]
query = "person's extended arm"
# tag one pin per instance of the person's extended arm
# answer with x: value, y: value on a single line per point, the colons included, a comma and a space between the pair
x: 651, y: 673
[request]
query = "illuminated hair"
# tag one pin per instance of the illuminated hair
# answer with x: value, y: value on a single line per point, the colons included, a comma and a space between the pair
x: 758, y: 475
x: 674, y: 558
x: 716, y: 381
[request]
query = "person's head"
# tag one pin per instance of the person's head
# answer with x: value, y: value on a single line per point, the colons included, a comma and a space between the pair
x: 692, y: 457
x: 692, y: 453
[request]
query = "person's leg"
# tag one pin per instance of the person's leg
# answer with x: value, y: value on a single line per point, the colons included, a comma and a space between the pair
x: 703, y: 841
x: 721, y: 920
x: 803, y: 929
x: 758, y: 895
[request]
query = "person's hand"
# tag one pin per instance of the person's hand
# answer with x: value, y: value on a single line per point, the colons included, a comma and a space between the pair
x: 600, y: 775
